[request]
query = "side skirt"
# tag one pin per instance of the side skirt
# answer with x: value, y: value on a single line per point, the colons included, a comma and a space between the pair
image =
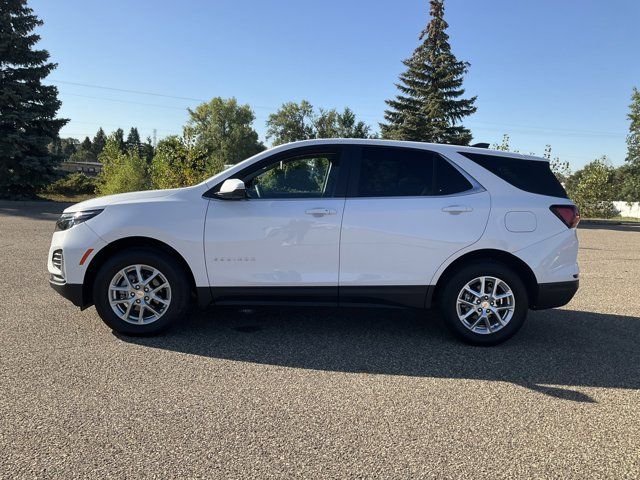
x: 397, y: 296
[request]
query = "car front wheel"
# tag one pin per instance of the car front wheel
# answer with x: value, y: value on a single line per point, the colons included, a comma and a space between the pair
x: 484, y: 303
x: 140, y: 292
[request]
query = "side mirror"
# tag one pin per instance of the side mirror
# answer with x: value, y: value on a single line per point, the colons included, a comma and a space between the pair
x: 232, y: 189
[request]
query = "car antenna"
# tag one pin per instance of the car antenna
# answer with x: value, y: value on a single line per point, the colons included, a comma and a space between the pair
x: 480, y: 145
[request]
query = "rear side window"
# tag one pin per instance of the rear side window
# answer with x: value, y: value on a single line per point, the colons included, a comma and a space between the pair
x: 398, y: 172
x: 532, y: 176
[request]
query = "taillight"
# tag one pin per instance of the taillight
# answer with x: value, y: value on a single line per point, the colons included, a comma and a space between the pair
x: 569, y: 214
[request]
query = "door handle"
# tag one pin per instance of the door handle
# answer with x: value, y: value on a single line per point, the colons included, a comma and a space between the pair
x: 457, y: 209
x: 320, y: 212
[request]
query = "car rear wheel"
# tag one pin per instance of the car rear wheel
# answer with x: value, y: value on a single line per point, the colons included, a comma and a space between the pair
x: 484, y: 303
x: 141, y: 292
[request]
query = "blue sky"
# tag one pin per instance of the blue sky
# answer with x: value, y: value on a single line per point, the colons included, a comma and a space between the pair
x: 556, y: 72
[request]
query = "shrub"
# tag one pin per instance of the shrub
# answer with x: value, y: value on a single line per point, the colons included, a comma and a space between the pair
x: 122, y: 171
x: 180, y: 163
x: 73, y: 184
x: 591, y: 189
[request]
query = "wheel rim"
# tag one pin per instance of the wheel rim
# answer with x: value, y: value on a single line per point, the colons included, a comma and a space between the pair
x: 485, y: 305
x: 139, y: 294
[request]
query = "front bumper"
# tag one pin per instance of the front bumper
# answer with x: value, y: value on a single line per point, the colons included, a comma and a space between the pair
x: 555, y: 294
x: 70, y: 291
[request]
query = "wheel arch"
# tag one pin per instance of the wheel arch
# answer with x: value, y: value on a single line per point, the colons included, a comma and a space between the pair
x: 498, y: 256
x: 124, y: 243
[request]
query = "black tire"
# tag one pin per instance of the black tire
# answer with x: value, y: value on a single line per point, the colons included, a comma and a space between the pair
x: 454, y: 284
x: 168, y: 266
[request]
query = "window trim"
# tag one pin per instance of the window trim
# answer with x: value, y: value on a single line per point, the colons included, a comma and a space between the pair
x: 342, y: 153
x: 354, y: 176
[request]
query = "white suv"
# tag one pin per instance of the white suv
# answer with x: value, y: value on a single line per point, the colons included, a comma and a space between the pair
x: 483, y: 235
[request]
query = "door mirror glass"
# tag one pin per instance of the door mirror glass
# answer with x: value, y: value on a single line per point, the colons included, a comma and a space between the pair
x: 232, y: 188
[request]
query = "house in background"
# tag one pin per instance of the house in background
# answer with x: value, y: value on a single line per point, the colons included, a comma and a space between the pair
x: 90, y: 169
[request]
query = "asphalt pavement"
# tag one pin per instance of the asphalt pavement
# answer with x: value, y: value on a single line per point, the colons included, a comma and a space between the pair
x: 317, y: 393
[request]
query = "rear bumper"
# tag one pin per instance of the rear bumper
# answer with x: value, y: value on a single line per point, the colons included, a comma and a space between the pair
x: 556, y: 294
x: 70, y: 291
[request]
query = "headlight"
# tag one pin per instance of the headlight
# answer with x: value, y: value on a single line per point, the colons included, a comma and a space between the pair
x: 68, y: 220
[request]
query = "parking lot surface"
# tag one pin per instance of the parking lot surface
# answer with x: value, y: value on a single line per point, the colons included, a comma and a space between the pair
x: 317, y: 393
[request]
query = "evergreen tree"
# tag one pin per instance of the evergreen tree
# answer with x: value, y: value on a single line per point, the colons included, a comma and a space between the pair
x: 98, y: 142
x: 63, y: 147
x: 429, y: 106
x: 118, y: 139
x: 133, y: 140
x: 84, y: 153
x: 27, y: 107
x: 146, y: 150
x: 86, y: 144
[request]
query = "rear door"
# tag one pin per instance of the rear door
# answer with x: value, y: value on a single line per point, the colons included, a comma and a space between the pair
x: 407, y: 210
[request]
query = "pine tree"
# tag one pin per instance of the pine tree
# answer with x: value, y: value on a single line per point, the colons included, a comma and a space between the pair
x: 118, y: 138
x: 27, y: 107
x: 133, y: 140
x: 429, y: 106
x: 98, y: 142
x: 86, y: 144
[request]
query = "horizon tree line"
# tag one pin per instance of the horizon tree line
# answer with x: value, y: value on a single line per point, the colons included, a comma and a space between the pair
x: 430, y: 106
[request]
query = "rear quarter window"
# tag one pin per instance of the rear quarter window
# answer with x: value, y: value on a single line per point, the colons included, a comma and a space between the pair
x: 533, y: 176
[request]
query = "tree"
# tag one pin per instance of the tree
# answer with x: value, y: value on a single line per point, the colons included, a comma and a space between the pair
x: 331, y: 124
x: 293, y: 122
x: 98, y: 142
x: 63, y: 147
x: 631, y: 169
x: 179, y: 163
x: 504, y: 145
x: 591, y: 189
x: 560, y: 168
x: 27, y: 107
x: 429, y: 106
x: 84, y: 153
x: 147, y: 150
x: 118, y: 137
x: 122, y: 171
x: 133, y: 140
x: 224, y: 130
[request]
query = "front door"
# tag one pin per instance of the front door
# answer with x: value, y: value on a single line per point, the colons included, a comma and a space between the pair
x: 283, y: 240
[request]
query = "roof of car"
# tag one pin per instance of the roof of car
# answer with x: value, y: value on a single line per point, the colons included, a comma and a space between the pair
x: 401, y: 143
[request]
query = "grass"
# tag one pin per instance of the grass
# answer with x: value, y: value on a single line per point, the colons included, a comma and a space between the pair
x: 53, y: 197
x: 615, y: 219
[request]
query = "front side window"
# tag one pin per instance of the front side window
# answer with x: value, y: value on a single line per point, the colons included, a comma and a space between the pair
x: 308, y: 176
x: 398, y: 172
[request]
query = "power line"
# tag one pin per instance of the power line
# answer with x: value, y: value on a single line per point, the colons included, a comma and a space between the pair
x: 534, y: 127
x: 123, y: 101
x: 118, y: 125
x: 570, y: 132
x: 139, y: 92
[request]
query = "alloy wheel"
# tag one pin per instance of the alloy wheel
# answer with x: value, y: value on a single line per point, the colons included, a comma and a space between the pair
x: 139, y: 294
x: 485, y: 305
